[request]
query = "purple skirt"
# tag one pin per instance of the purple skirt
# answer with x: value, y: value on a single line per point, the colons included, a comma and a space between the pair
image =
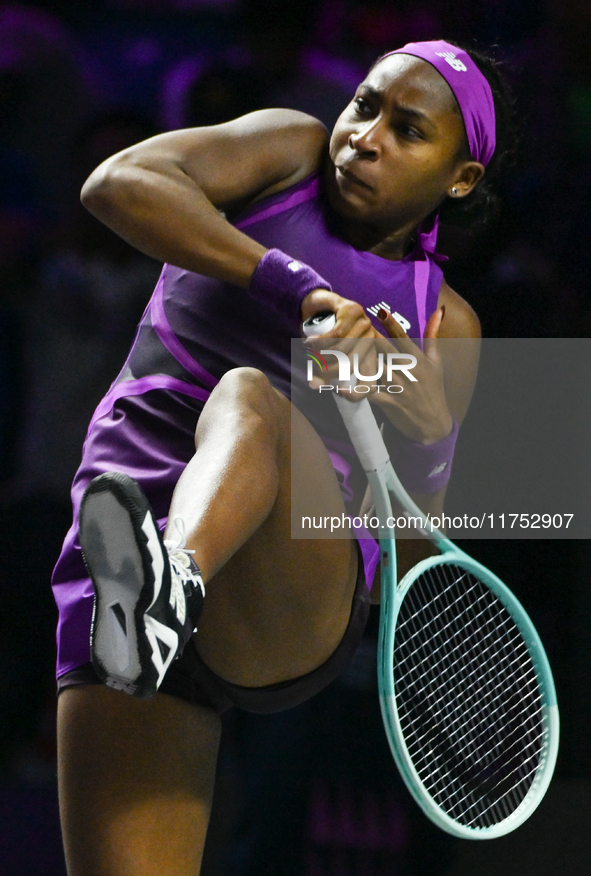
x: 145, y: 428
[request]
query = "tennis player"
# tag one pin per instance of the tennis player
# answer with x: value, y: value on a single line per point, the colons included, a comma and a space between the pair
x: 261, y: 222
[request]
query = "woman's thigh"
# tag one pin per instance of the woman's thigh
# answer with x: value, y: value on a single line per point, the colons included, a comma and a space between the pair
x: 280, y: 605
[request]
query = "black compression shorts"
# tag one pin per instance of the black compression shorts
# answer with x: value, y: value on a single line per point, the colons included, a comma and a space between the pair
x: 190, y: 679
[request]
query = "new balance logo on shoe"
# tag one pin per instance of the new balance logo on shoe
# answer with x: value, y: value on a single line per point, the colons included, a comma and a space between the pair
x: 155, y: 554
x: 178, y: 601
x: 164, y: 644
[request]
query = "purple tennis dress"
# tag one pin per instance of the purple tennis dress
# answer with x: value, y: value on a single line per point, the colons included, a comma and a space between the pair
x: 193, y: 331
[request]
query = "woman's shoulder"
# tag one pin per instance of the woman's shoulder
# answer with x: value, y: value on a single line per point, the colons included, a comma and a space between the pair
x: 460, y: 320
x: 303, y: 139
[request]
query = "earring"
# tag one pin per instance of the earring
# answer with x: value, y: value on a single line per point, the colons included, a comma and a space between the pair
x: 454, y: 191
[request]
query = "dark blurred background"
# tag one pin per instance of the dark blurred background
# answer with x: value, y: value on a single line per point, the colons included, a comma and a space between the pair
x: 311, y: 792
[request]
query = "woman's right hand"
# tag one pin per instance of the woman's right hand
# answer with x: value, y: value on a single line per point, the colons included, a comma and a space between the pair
x: 352, y: 326
x: 351, y: 319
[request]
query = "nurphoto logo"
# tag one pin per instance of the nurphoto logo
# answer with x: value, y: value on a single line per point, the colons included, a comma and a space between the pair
x: 387, y: 365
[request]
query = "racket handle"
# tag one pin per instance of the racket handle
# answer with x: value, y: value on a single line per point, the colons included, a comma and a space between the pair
x: 358, y: 418
x: 364, y: 433
x: 320, y: 324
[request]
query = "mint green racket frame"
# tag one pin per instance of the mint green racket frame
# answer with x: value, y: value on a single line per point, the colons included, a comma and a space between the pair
x: 374, y: 457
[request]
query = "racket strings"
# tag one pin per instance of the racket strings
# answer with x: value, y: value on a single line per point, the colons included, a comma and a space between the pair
x: 422, y: 667
x: 467, y: 696
x: 467, y: 726
x: 461, y: 750
x: 476, y: 683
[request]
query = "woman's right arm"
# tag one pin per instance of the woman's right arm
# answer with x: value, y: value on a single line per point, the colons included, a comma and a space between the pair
x: 163, y: 196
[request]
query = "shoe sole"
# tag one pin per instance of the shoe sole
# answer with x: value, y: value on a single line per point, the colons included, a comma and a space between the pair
x: 129, y: 569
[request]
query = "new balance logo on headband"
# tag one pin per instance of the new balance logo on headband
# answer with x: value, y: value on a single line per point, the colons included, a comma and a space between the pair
x: 472, y: 92
x: 453, y: 61
x: 397, y: 316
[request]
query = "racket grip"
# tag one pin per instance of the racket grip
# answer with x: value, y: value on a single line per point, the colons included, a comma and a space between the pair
x: 358, y: 417
x: 364, y: 433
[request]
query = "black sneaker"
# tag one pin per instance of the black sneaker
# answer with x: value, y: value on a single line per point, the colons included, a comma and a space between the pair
x: 148, y: 593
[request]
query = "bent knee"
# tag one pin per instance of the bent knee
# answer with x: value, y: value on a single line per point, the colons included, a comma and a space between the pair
x: 244, y: 378
x: 250, y: 388
x: 245, y: 400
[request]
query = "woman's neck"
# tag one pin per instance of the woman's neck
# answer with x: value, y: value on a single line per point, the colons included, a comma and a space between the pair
x: 394, y: 245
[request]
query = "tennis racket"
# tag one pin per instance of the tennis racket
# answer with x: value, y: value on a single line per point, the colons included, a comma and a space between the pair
x: 466, y: 691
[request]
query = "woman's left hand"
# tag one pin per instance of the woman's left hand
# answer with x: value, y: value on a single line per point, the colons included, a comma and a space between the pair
x: 417, y: 407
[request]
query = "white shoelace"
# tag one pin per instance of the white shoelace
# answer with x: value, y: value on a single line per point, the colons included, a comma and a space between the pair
x: 178, y: 546
x: 177, y: 552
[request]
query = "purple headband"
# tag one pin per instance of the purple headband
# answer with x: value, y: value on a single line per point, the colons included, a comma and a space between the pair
x: 471, y: 90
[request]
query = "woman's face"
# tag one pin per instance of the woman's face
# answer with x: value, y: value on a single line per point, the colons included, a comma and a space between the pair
x: 398, y: 148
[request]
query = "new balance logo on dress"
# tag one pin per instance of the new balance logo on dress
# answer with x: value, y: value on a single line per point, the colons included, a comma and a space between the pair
x: 397, y: 316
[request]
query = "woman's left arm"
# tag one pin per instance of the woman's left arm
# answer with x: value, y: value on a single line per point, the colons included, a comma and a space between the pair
x: 445, y: 372
x: 460, y: 360
x: 445, y: 377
